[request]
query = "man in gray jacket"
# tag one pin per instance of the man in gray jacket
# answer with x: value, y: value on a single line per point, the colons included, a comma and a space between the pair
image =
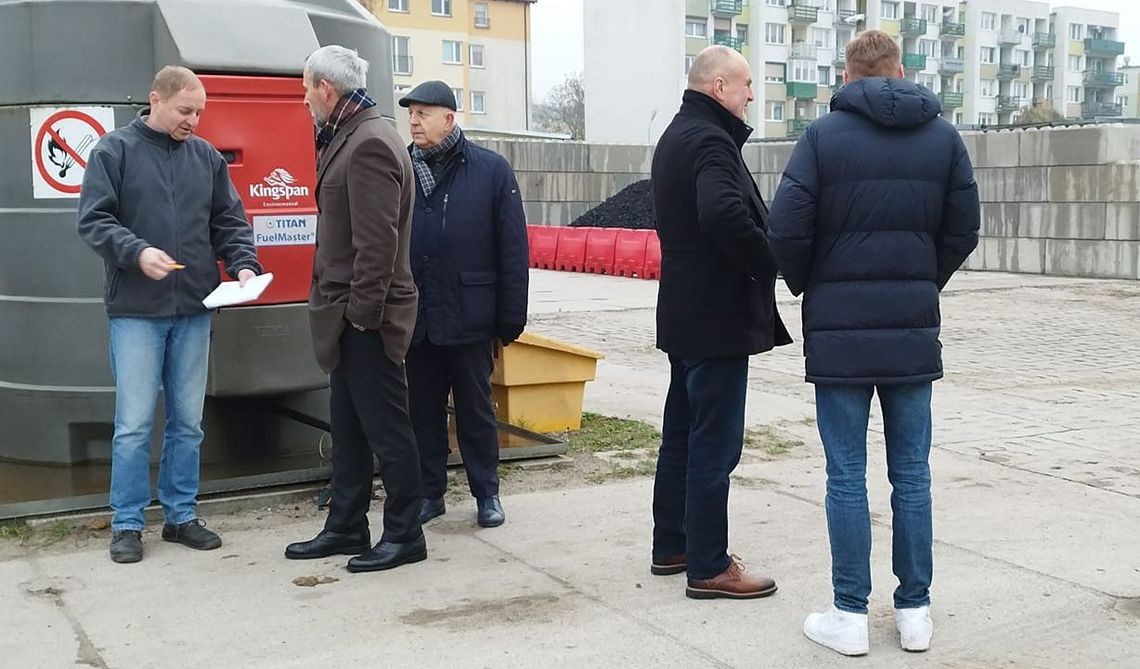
x: 158, y: 206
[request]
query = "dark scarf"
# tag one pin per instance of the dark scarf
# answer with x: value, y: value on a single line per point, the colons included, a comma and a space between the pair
x: 421, y: 158
x: 349, y: 105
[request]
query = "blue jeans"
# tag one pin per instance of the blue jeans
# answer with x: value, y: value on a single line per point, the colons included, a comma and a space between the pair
x: 701, y: 439
x: 842, y: 413
x: 146, y: 354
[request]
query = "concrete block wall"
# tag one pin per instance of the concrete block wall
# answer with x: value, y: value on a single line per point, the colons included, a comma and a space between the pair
x: 1061, y: 201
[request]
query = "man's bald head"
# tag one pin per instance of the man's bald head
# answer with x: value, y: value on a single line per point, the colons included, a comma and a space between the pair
x: 724, y: 75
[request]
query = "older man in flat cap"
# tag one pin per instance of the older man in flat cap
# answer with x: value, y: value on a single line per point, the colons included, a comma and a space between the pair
x: 469, y: 260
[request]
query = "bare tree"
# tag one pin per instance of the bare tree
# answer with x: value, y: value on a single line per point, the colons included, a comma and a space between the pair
x: 1038, y: 113
x: 564, y: 109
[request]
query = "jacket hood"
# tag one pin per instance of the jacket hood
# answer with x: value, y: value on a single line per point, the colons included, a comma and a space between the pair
x: 891, y: 102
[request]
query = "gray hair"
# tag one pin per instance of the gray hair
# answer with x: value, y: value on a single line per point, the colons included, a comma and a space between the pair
x: 337, y: 65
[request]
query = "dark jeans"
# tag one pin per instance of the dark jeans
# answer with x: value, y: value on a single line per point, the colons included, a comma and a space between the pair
x: 842, y: 413
x: 369, y: 414
x: 701, y: 439
x: 465, y: 372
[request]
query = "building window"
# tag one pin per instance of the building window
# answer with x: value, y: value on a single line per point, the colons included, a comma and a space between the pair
x: 696, y: 28
x: 1020, y: 90
x: 478, y: 55
x: 988, y: 88
x: 397, y: 5
x: 441, y: 7
x: 1049, y: 91
x: 478, y: 102
x: 890, y: 9
x: 821, y: 110
x: 958, y: 118
x: 777, y: 3
x: 928, y: 47
x: 458, y: 93
x: 774, y: 73
x: 1076, y: 31
x: 985, y: 118
x: 482, y: 17
x: 821, y: 37
x: 932, y: 14
x: 775, y: 111
x: 401, y: 60
x: 742, y: 33
x: 1074, y: 63
x: 989, y: 21
x: 689, y: 64
x: 1073, y: 93
x: 774, y: 33
x: 1023, y: 57
x: 824, y: 76
x: 1122, y: 100
x: 989, y: 53
x: 452, y: 52
x: 927, y: 80
x: 802, y: 70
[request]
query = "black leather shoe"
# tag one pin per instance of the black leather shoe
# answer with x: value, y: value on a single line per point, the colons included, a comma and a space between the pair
x: 490, y: 512
x: 389, y: 554
x: 192, y: 533
x: 329, y: 543
x: 126, y: 546
x: 431, y: 508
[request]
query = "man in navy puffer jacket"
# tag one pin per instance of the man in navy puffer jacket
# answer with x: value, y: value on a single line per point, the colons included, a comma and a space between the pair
x: 876, y: 210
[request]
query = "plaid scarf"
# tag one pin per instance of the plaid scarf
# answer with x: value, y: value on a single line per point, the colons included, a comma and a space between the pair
x: 349, y: 105
x: 421, y: 157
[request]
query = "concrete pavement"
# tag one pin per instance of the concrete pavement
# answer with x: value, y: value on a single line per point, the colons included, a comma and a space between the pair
x: 1037, y: 501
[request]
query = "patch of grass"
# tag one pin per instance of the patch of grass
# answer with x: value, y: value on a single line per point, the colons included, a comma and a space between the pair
x: 642, y: 468
x: 17, y: 530
x: 59, y: 530
x: 769, y: 441
x: 606, y: 433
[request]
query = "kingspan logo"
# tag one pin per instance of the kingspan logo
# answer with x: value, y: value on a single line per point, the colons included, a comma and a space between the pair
x: 278, y: 185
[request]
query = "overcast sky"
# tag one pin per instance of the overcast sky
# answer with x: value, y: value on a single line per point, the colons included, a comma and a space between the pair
x: 556, y: 46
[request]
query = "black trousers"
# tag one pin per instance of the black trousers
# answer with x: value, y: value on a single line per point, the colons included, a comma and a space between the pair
x: 369, y: 414
x: 465, y: 371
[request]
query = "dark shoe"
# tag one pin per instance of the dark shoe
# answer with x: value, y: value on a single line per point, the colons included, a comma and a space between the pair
x: 192, y: 533
x: 490, y: 512
x: 668, y: 565
x: 732, y: 583
x: 126, y: 546
x: 329, y: 543
x: 431, y: 508
x: 389, y: 554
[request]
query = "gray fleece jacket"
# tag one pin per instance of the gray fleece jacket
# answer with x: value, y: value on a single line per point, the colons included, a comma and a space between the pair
x: 143, y: 188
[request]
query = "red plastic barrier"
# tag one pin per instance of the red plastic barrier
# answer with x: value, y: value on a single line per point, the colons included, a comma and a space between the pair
x: 652, y: 256
x: 629, y: 252
x: 600, y: 250
x: 543, y: 246
x: 571, y: 253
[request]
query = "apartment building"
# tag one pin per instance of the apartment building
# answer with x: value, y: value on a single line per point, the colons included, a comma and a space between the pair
x: 987, y: 60
x: 1129, y: 95
x: 481, y: 48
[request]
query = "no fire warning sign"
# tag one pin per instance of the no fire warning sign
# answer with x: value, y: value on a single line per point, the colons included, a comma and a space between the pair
x: 62, y: 139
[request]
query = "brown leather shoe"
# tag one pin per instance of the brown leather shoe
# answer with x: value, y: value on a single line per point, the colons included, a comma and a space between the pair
x: 732, y: 583
x: 668, y: 565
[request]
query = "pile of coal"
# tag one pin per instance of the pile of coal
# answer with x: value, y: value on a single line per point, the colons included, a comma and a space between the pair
x: 631, y: 207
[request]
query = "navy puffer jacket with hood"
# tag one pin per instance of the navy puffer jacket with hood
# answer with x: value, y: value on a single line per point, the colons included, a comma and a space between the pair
x: 876, y: 210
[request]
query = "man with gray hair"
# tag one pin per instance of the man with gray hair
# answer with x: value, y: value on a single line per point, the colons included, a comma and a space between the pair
x: 362, y: 308
x: 715, y: 307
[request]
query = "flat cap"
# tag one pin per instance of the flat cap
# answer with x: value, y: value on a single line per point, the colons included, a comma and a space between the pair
x: 435, y: 93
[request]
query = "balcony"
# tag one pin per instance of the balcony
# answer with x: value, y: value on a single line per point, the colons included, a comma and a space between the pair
x: 796, y: 126
x: 728, y: 41
x: 1007, y: 71
x: 1010, y: 36
x: 1100, y: 109
x: 841, y: 16
x: 401, y: 64
x: 840, y: 61
x: 726, y: 8
x: 802, y: 14
x: 802, y: 90
x: 1043, y: 102
x: 912, y: 27
x: 1097, y: 79
x: 950, y: 100
x: 1043, y: 73
x: 1044, y: 40
x: 1103, y: 47
x: 914, y: 61
x: 1008, y: 103
x: 803, y: 51
x: 951, y: 66
x: 951, y: 30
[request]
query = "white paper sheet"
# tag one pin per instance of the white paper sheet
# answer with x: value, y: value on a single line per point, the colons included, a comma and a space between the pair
x: 231, y: 292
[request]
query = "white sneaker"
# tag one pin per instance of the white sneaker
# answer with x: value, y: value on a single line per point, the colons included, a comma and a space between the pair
x: 841, y: 631
x: 915, y: 628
